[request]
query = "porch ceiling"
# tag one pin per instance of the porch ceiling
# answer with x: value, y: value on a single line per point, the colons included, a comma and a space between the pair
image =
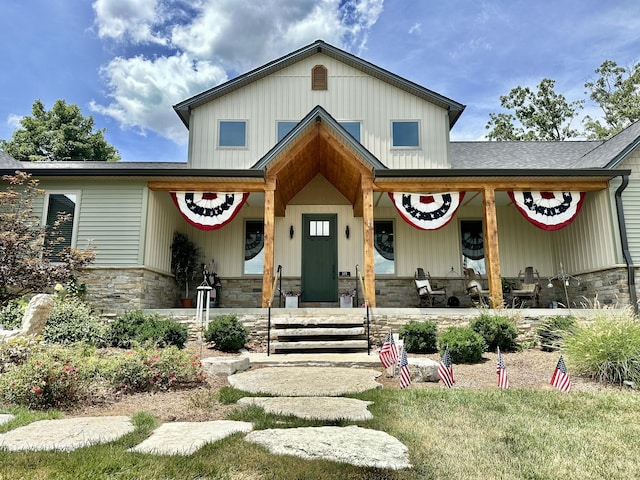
x: 318, y: 151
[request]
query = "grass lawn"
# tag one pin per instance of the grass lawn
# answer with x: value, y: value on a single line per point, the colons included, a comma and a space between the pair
x: 451, y: 434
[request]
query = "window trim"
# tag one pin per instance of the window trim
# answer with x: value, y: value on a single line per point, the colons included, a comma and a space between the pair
x: 76, y: 214
x: 246, y: 134
x: 406, y: 147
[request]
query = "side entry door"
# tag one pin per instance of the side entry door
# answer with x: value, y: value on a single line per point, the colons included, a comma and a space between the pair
x: 319, y: 258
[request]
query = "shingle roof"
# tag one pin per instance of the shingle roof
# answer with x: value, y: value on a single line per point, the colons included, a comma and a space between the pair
x: 8, y: 162
x: 614, y: 150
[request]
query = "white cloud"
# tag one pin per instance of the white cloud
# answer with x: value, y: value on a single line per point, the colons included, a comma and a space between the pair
x: 200, y: 41
x: 415, y: 28
x: 13, y: 121
x: 143, y: 91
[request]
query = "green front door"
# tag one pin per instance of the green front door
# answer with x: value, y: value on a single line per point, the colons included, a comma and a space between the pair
x: 319, y: 258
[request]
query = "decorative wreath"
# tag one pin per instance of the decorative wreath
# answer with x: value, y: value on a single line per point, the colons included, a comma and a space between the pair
x: 208, y: 210
x: 427, y: 211
x: 548, y: 210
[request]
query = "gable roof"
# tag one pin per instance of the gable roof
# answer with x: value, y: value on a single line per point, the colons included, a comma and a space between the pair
x: 610, y: 153
x: 454, y: 108
x: 7, y: 161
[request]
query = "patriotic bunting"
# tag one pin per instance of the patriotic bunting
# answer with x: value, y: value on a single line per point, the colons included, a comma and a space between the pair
x: 389, y: 352
x: 560, y: 378
x: 503, y: 379
x: 445, y: 370
x: 548, y: 210
x: 208, y: 210
x: 405, y: 375
x: 427, y: 211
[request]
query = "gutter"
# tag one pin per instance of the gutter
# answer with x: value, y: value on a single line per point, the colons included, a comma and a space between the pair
x: 631, y: 277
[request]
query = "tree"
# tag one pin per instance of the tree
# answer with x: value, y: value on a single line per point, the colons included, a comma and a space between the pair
x: 59, y: 134
x: 26, y: 266
x: 541, y: 115
x: 617, y: 93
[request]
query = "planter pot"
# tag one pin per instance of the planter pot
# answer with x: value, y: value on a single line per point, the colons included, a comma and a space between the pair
x: 186, y: 302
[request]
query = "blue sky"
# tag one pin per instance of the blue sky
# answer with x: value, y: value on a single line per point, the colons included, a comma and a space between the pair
x: 126, y: 62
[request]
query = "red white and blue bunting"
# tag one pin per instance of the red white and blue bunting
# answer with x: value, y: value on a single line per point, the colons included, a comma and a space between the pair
x: 427, y: 211
x: 548, y: 210
x: 208, y: 210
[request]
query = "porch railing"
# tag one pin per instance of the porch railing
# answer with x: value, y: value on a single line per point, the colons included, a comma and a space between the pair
x: 277, y: 278
x: 366, y: 304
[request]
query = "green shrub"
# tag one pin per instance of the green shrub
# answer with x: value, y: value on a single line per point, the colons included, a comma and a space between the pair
x: 72, y: 321
x: 151, y: 369
x: 497, y: 331
x: 11, y: 314
x: 552, y: 331
x: 607, y: 350
x: 419, y: 337
x: 15, y: 351
x: 135, y: 328
x: 47, y: 379
x: 226, y: 333
x: 465, y: 345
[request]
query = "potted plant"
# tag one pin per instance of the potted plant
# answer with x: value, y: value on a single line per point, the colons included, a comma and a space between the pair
x: 184, y: 263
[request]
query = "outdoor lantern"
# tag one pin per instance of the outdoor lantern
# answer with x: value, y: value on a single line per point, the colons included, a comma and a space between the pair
x: 291, y: 231
x: 346, y: 231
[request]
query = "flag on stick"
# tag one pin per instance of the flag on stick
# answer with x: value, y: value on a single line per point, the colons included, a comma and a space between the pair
x: 560, y: 378
x: 445, y: 370
x: 388, y: 352
x: 503, y: 380
x: 405, y: 376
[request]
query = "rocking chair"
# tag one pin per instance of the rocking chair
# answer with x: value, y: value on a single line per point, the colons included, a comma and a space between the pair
x: 528, y: 288
x: 427, y: 293
x: 478, y: 295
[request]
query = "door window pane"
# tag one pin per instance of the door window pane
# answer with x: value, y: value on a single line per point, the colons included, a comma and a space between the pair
x: 319, y: 228
x: 472, y: 237
x: 59, y: 234
x: 383, y: 242
x: 253, y: 247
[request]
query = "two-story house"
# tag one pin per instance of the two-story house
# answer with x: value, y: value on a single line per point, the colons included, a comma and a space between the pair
x: 319, y: 162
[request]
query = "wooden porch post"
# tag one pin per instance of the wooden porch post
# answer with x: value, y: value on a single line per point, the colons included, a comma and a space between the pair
x: 269, y: 233
x: 491, y: 247
x: 367, y: 225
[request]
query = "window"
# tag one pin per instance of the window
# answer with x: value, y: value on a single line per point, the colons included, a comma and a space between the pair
x: 319, y: 78
x: 319, y: 228
x: 59, y: 235
x: 253, y: 247
x: 353, y: 128
x: 284, y: 128
x: 232, y: 134
x: 405, y: 134
x: 472, y: 238
x: 383, y: 253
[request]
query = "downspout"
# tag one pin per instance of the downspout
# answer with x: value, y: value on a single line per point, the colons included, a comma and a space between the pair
x: 631, y: 277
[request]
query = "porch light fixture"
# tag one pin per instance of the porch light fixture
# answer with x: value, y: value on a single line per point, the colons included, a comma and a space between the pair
x: 291, y: 231
x: 347, y: 232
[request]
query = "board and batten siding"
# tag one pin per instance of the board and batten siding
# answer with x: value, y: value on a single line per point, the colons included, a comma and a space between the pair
x: 163, y: 220
x: 111, y: 218
x: 287, y: 96
x: 631, y: 202
x: 589, y: 243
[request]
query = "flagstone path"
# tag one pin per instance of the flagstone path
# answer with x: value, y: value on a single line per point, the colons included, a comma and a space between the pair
x: 306, y: 392
x: 6, y: 417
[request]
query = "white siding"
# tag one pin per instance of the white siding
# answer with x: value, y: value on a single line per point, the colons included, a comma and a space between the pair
x: 163, y: 219
x: 287, y: 96
x: 631, y: 200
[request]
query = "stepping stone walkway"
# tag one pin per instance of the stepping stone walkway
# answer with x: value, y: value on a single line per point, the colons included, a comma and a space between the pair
x: 65, y: 434
x: 184, y: 438
x: 352, y: 444
x: 313, y: 408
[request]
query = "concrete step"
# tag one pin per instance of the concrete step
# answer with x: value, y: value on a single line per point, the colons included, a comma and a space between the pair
x: 319, y: 332
x: 316, y: 320
x: 334, y: 345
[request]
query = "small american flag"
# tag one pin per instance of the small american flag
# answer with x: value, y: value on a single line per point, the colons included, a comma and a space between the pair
x: 560, y: 378
x: 503, y: 380
x: 445, y: 370
x: 405, y: 376
x: 388, y: 352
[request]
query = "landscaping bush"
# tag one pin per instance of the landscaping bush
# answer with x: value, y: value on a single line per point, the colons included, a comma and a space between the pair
x: 497, y: 331
x: 11, y: 314
x: 149, y: 368
x: 226, y: 333
x: 419, y: 337
x: 73, y: 321
x: 465, y: 345
x: 607, y: 350
x: 135, y: 328
x: 47, y: 379
x: 15, y: 351
x: 552, y: 331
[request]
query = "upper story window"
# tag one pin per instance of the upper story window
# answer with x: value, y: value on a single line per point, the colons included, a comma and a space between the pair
x: 232, y: 133
x: 284, y: 128
x: 319, y: 78
x: 353, y: 128
x: 60, y: 222
x: 405, y: 133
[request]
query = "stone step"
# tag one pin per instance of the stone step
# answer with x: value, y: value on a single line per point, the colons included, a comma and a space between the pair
x: 319, y: 332
x: 333, y: 345
x: 316, y: 320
